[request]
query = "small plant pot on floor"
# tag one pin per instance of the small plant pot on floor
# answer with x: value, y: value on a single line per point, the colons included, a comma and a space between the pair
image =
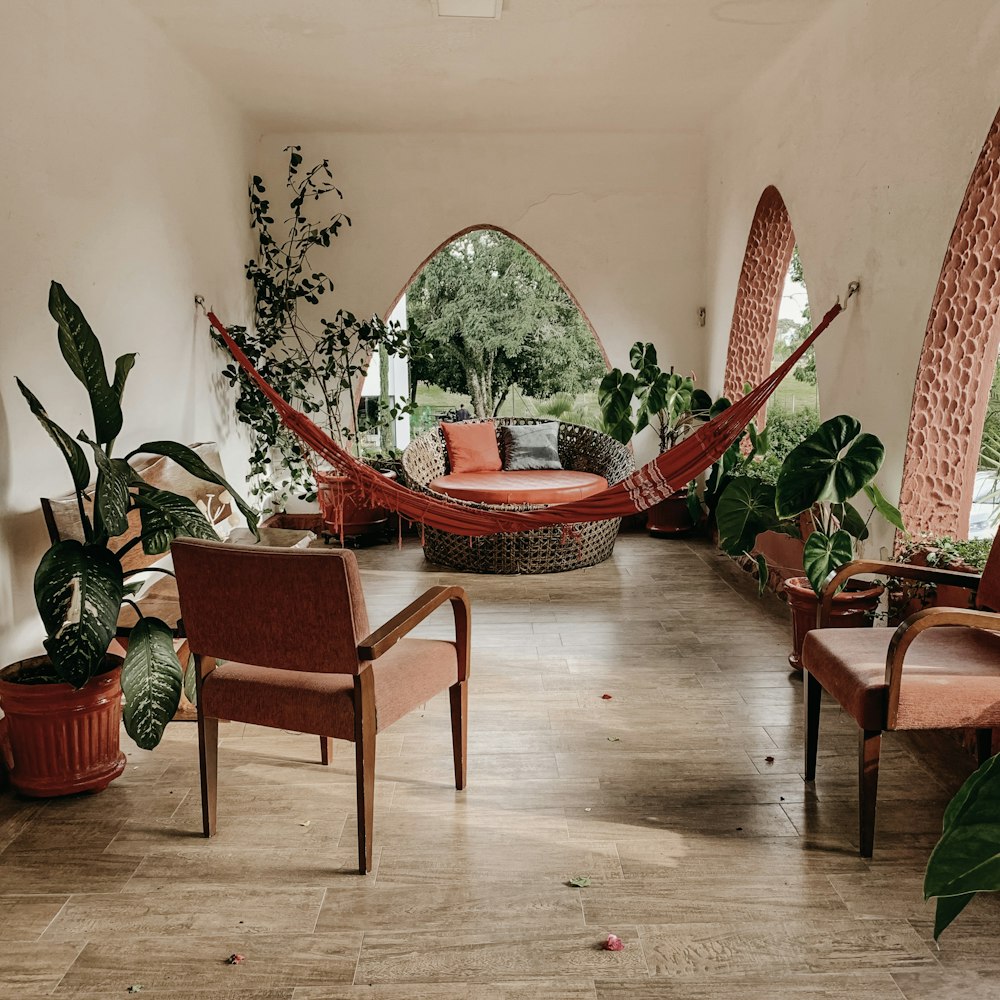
x: 853, y: 607
x: 63, y: 740
x: 343, y: 514
x: 670, y: 517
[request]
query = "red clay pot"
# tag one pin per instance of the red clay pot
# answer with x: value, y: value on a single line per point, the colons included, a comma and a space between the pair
x: 852, y: 608
x: 669, y: 517
x: 342, y: 513
x: 63, y: 740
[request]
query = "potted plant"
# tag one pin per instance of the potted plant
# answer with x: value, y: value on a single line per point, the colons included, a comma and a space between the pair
x: 667, y: 401
x: 812, y: 499
x: 315, y: 362
x: 62, y: 710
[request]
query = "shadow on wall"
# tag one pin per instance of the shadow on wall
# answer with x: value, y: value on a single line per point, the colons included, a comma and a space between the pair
x: 23, y: 539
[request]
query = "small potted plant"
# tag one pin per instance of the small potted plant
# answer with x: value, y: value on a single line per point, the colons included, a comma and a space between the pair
x: 667, y: 401
x: 812, y: 499
x: 62, y: 710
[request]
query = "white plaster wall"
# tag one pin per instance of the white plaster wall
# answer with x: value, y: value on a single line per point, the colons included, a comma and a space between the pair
x: 870, y: 129
x: 619, y: 217
x: 122, y: 175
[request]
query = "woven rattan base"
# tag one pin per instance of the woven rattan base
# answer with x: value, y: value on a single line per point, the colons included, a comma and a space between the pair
x: 546, y: 550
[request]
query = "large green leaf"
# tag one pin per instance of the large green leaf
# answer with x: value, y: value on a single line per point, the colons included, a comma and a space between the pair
x: 123, y: 366
x: 966, y: 859
x: 614, y: 396
x: 164, y: 516
x: 886, y: 509
x: 949, y: 907
x: 746, y: 508
x: 111, y: 494
x: 822, y: 554
x: 851, y: 521
x: 78, y: 590
x: 151, y: 682
x: 83, y: 354
x: 72, y: 452
x: 191, y: 462
x: 833, y: 464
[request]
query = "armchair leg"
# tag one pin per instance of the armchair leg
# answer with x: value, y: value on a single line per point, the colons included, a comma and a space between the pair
x: 812, y: 692
x: 984, y: 745
x: 459, y: 695
x: 325, y: 749
x: 869, y: 747
x: 364, y: 747
x: 208, y: 765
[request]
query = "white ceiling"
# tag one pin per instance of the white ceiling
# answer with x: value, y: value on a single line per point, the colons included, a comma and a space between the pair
x: 546, y: 65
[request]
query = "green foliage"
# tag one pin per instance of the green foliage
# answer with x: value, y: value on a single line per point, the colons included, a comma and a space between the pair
x: 818, y: 477
x: 485, y: 314
x: 948, y: 552
x: 314, y: 363
x: 966, y: 859
x: 666, y: 400
x: 745, y: 509
x: 80, y: 586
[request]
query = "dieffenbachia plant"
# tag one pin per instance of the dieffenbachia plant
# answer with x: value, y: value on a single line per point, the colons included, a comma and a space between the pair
x: 80, y: 585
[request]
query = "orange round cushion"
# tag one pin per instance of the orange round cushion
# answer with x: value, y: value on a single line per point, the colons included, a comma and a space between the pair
x: 540, y: 486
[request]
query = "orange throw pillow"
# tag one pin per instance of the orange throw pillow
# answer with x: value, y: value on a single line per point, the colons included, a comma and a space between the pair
x: 472, y: 447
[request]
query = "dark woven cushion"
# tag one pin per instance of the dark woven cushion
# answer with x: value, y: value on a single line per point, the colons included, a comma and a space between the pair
x: 531, y: 446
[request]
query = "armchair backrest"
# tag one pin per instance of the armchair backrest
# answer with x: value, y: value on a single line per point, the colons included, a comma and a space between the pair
x: 296, y: 609
x: 988, y: 594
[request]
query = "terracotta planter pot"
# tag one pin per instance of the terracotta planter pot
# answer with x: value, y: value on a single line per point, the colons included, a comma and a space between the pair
x: 852, y: 608
x: 342, y: 512
x: 63, y: 740
x: 669, y: 517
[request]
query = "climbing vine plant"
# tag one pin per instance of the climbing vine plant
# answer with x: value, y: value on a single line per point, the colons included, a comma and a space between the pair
x: 313, y: 360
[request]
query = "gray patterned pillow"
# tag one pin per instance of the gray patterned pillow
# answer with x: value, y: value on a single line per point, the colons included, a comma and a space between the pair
x: 531, y: 446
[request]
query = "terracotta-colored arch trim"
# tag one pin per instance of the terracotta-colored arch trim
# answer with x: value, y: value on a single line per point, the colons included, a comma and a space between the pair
x: 534, y: 253
x: 758, y: 295
x: 957, y: 361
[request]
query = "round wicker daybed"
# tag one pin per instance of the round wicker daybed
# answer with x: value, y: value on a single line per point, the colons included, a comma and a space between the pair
x: 545, y: 550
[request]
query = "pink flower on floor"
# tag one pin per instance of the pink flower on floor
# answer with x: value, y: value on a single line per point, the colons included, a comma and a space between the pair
x: 606, y: 697
x: 614, y: 943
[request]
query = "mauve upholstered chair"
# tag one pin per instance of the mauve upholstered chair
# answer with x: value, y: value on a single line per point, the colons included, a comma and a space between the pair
x: 939, y: 670
x: 281, y: 639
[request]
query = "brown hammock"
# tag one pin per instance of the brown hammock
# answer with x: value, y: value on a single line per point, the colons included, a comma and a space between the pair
x: 641, y: 490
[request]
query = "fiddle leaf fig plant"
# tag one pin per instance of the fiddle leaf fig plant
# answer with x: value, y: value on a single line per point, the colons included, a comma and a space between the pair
x: 80, y: 584
x: 817, y: 481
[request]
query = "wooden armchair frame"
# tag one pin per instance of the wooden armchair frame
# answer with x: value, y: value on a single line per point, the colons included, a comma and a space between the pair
x: 869, y: 746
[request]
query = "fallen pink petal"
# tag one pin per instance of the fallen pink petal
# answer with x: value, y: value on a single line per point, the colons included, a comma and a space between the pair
x: 606, y: 697
x: 234, y: 959
x: 614, y: 943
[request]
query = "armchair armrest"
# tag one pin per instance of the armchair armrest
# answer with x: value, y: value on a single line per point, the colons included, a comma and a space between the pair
x: 912, y: 627
x: 926, y: 574
x: 385, y: 637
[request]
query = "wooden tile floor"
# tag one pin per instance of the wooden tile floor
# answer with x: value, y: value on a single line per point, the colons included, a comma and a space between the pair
x: 680, y: 797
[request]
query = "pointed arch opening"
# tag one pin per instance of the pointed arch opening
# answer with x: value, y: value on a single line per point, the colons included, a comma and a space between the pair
x: 494, y: 329
x: 952, y: 399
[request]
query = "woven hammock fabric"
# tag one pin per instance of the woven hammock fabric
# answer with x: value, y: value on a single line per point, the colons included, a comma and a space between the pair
x: 641, y: 490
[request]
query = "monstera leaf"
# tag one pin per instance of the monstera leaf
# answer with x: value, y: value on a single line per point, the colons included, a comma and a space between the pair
x: 966, y: 859
x: 83, y: 354
x: 151, y: 682
x: 833, y: 464
x: 822, y: 554
x: 78, y: 590
x: 746, y: 508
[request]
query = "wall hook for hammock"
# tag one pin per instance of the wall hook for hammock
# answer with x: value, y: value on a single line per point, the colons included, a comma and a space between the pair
x: 852, y: 289
x: 199, y: 301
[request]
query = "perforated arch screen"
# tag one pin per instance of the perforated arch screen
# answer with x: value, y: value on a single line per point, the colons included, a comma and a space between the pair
x: 758, y: 296
x: 957, y: 362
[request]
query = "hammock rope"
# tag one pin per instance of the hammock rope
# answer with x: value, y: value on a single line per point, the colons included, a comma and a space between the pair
x: 641, y: 490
